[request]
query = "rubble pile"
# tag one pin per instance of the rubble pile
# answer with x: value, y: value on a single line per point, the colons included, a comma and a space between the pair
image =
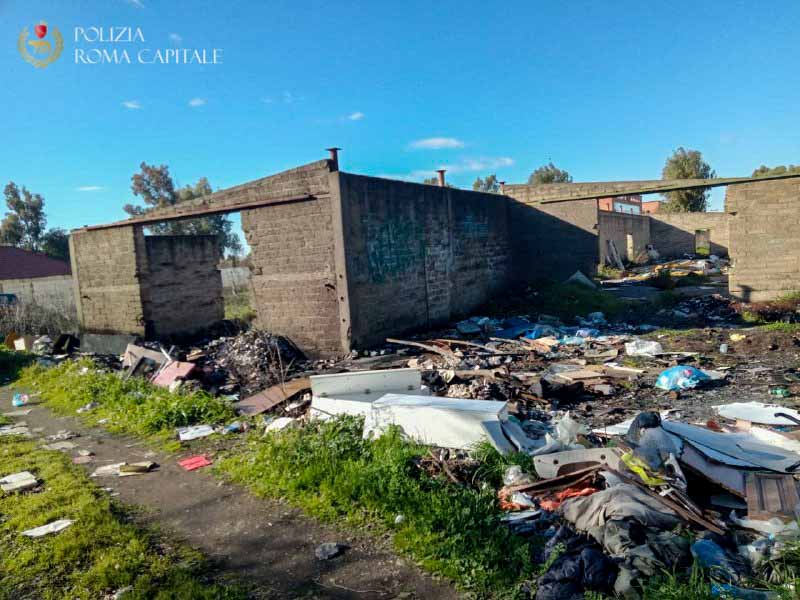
x: 251, y: 360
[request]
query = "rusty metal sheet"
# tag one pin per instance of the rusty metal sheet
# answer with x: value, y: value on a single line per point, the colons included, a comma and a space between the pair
x: 771, y: 495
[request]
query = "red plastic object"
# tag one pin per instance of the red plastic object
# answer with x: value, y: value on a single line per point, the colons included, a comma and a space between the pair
x: 194, y: 462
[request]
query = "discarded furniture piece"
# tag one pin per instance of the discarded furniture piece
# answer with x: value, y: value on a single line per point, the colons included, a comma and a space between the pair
x: 354, y: 393
x: 445, y: 422
x: 771, y: 495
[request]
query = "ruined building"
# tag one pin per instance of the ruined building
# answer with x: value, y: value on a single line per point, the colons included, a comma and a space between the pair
x: 342, y: 260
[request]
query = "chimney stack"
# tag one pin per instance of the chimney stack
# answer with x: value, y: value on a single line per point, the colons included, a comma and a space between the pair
x: 441, y: 177
x: 334, y: 157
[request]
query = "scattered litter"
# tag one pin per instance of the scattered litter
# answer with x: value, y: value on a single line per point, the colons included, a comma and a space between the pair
x: 59, y: 446
x: 107, y: 470
x: 194, y: 462
x: 194, y: 432
x: 758, y: 412
x: 18, y: 413
x: 63, y: 434
x: 643, y: 348
x: 278, y: 424
x: 329, y: 550
x: 88, y: 407
x: 18, y: 482
x: 19, y: 399
x: 681, y: 378
x: 53, y: 527
x: 137, y: 468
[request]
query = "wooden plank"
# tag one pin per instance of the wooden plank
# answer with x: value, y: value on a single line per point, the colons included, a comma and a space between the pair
x: 272, y: 396
x: 771, y: 495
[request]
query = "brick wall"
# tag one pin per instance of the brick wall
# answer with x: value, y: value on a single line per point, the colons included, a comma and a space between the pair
x: 183, y: 287
x: 673, y: 234
x: 108, y: 293
x: 617, y: 227
x: 764, y: 239
x: 418, y: 255
x: 293, y: 274
x: 551, y: 241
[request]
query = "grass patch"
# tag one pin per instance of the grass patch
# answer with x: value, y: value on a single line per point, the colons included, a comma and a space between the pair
x: 131, y: 406
x: 237, y: 308
x: 780, y: 327
x: 12, y: 363
x: 566, y: 300
x: 100, y: 553
x: 330, y: 471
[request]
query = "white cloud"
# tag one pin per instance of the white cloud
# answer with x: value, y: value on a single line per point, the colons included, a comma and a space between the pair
x: 89, y: 188
x: 356, y: 116
x: 175, y: 38
x: 132, y: 104
x: 469, y: 165
x: 436, y: 143
x: 465, y: 165
x: 136, y: 3
x: 195, y: 102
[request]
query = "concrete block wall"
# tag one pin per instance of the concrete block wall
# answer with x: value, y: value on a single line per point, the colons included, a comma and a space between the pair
x: 617, y: 227
x: 183, y: 287
x: 673, y: 234
x: 551, y: 241
x: 764, y: 239
x: 105, y: 266
x: 419, y: 255
x: 55, y: 293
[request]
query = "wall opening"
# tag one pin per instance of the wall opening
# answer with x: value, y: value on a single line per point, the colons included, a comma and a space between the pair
x: 702, y: 242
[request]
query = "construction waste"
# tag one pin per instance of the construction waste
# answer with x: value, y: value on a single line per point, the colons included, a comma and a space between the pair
x: 631, y: 478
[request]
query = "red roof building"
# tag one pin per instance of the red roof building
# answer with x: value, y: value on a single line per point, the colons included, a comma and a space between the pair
x: 16, y: 263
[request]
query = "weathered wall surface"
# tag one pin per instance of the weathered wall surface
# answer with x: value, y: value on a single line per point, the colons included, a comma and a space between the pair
x: 551, y: 240
x: 616, y: 227
x: 183, y: 287
x: 56, y: 293
x: 293, y: 274
x: 764, y: 241
x: 107, y: 290
x: 673, y: 235
x: 418, y: 255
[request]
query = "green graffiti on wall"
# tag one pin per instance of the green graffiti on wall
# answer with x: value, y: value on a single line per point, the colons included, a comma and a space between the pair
x: 394, y: 247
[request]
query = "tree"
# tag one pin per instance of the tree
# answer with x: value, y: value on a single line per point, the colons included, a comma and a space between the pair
x: 686, y: 164
x: 435, y: 181
x: 155, y: 186
x: 490, y: 184
x: 25, y: 223
x: 779, y: 170
x: 55, y: 243
x: 549, y: 173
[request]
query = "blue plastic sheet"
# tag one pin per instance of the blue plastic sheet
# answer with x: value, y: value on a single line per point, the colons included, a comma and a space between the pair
x: 680, y: 378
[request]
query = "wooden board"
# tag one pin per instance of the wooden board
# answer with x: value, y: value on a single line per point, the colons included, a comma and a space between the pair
x: 272, y: 397
x: 771, y: 495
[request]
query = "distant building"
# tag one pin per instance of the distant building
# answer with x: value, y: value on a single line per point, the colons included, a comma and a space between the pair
x: 651, y: 207
x: 630, y: 204
x: 36, y: 278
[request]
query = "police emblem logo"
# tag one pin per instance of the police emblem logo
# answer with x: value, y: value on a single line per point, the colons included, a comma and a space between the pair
x: 40, y: 50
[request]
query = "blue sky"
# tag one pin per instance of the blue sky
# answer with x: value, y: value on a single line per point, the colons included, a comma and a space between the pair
x: 604, y: 89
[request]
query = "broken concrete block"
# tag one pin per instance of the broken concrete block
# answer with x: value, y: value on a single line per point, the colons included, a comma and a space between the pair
x: 18, y: 482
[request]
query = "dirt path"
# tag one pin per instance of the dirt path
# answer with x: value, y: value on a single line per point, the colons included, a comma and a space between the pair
x: 259, y: 542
